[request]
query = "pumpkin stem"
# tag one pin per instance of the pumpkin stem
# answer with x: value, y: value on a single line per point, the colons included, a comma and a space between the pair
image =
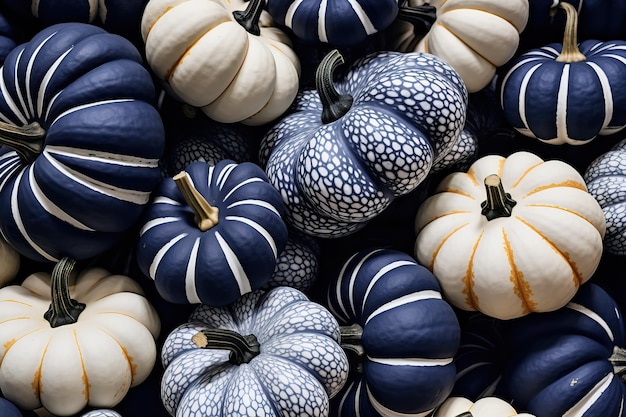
x: 26, y: 140
x: 421, y: 17
x: 351, y: 344
x: 498, y: 203
x: 618, y: 360
x: 249, y: 18
x: 570, y: 52
x: 63, y: 309
x: 205, y: 215
x: 334, y: 105
x: 242, y: 348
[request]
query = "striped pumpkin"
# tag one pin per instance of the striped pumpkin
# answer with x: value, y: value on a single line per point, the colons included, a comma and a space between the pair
x: 392, y: 314
x: 564, y: 92
x: 85, y: 102
x: 215, y: 264
x: 568, y: 362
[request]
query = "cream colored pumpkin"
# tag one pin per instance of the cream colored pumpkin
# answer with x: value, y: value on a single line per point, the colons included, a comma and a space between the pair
x: 10, y: 262
x: 533, y: 260
x: 209, y: 60
x: 91, y: 361
x: 474, y: 36
x: 483, y: 407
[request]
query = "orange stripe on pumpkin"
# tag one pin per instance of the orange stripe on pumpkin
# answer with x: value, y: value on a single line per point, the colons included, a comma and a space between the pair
x: 36, y: 384
x: 85, y: 377
x: 568, y: 183
x: 468, y: 280
x: 521, y: 288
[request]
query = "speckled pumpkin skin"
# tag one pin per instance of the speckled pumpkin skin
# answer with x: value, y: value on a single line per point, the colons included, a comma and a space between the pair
x: 301, y: 364
x: 408, y: 110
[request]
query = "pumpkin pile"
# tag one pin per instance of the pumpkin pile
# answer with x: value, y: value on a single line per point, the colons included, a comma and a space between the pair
x: 318, y: 209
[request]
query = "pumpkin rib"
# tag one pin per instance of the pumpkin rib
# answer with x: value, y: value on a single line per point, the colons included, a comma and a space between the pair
x: 468, y: 281
x: 521, y: 288
x: 85, y: 378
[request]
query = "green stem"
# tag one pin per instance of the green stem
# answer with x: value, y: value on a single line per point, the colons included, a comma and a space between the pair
x: 421, y: 17
x: 63, y: 309
x: 334, y: 105
x: 249, y: 18
x: 498, y: 203
x: 242, y: 348
x: 351, y: 344
x: 26, y: 140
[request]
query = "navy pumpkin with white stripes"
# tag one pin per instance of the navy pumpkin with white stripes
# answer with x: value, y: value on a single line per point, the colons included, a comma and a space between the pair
x: 400, y: 335
x: 212, y: 233
x: 567, y: 93
x: 84, y: 140
x: 569, y: 362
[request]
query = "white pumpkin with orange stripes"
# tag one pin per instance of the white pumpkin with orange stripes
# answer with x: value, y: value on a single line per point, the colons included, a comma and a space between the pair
x: 512, y: 235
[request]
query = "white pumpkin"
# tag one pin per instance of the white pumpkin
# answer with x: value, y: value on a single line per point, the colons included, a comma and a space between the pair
x: 510, y: 236
x: 210, y: 60
x: 10, y: 262
x: 475, y: 37
x: 483, y: 407
x: 64, y: 347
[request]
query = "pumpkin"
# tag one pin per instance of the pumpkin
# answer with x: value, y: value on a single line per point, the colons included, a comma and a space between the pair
x: 271, y: 353
x: 83, y: 142
x: 8, y: 409
x: 475, y: 37
x: 10, y: 262
x: 341, y: 23
x: 347, y: 149
x: 68, y: 343
x: 604, y: 178
x: 400, y: 333
x: 212, y: 233
x: 510, y: 236
x: 483, y: 407
x: 297, y: 265
x: 228, y: 58
x: 569, y: 361
x: 566, y: 93
x: 101, y: 413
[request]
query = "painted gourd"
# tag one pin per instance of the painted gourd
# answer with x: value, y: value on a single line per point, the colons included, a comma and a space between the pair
x: 483, y: 407
x: 606, y: 182
x: 566, y: 93
x: 347, y: 149
x: 510, y: 236
x: 298, y: 264
x: 10, y: 262
x: 400, y: 334
x: 568, y: 362
x: 341, y: 23
x: 67, y: 344
x: 272, y: 353
x: 475, y: 38
x: 83, y: 142
x: 212, y: 233
x: 228, y: 58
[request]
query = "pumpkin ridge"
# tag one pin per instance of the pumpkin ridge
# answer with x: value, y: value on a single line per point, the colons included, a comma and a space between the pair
x: 568, y: 183
x: 464, y: 43
x: 36, y: 384
x: 131, y: 365
x: 523, y: 175
x: 468, y: 289
x: 521, y: 288
x: 275, y: 407
x: 85, y: 377
x: 431, y: 264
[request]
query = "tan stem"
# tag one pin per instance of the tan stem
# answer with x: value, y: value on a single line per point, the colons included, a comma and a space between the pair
x: 570, y: 52
x: 206, y: 216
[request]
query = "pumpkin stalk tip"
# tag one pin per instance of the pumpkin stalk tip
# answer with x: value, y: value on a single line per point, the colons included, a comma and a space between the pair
x: 63, y: 309
x: 242, y: 348
x: 570, y: 52
x: 498, y: 203
x: 26, y: 140
x: 249, y: 18
x: 618, y: 360
x: 205, y: 215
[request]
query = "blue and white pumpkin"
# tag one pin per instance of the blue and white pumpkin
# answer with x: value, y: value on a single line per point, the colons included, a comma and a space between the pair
x: 346, y: 151
x: 402, y: 331
x: 605, y: 177
x: 96, y: 141
x: 298, y: 264
x: 214, y: 265
x: 101, y: 413
x: 567, y: 362
x: 564, y: 93
x: 284, y: 358
x: 341, y: 23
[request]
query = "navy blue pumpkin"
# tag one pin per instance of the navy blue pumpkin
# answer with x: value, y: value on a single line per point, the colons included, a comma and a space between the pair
x: 84, y: 140
x: 567, y: 92
x: 235, y: 253
x: 347, y: 150
x: 567, y: 362
x: 8, y: 409
x: 399, y: 333
x: 341, y: 23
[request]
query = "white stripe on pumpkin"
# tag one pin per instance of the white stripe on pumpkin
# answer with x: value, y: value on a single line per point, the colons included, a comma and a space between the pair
x: 321, y: 22
x: 593, y: 316
x: 585, y: 403
x: 102, y: 156
x: 561, y: 104
x: 387, y: 268
x: 363, y: 17
x: 154, y: 266
x: 522, y: 96
x: 46, y: 80
x: 257, y: 203
x: 165, y: 200
x: 340, y: 303
x: 9, y: 99
x: 416, y: 362
x: 224, y: 174
x: 157, y: 222
x: 88, y: 105
x: 384, y: 411
x: 9, y: 164
x: 191, y: 291
x: 258, y: 228
x: 606, y: 92
x: 18, y: 89
x: 405, y: 299
x: 235, y: 266
x: 352, y: 280
x: 241, y: 184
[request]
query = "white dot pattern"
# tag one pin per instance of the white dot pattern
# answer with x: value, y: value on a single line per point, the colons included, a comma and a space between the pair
x: 101, y: 413
x: 301, y: 362
x: 407, y: 114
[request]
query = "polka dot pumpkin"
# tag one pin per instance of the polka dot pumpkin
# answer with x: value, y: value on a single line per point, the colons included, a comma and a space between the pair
x: 298, y: 365
x: 405, y: 114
